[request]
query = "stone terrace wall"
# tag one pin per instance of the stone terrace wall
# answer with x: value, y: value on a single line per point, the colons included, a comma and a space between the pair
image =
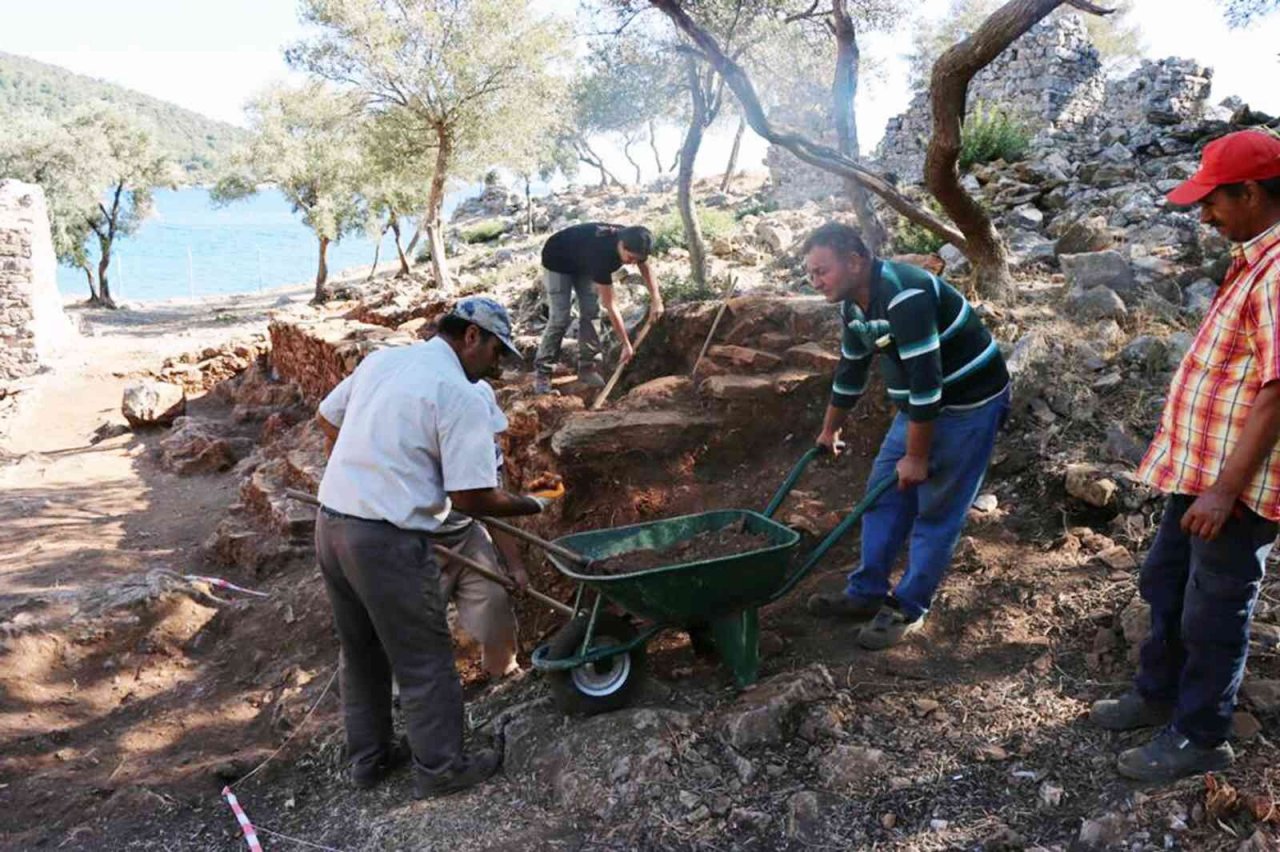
x: 317, y: 354
x: 1050, y: 78
x: 32, y: 322
x: 1166, y: 92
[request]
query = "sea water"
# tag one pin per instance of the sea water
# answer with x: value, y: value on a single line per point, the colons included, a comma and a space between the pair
x: 191, y: 248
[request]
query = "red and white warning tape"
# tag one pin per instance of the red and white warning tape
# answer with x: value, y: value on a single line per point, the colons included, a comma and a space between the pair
x: 223, y: 584
x: 250, y: 836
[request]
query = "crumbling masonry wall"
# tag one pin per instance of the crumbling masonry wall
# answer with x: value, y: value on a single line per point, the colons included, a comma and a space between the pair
x: 33, y: 325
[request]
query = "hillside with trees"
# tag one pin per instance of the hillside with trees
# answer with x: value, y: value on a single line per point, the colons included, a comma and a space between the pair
x: 198, y: 144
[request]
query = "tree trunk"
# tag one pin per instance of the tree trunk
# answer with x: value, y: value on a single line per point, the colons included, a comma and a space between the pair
x: 94, y: 298
x: 528, y: 205
x: 322, y: 274
x: 104, y: 286
x: 733, y: 154
x: 948, y: 94
x: 653, y: 146
x: 400, y: 253
x: 684, y: 181
x: 435, y: 204
x: 377, y: 250
x: 844, y: 92
x: 591, y: 158
x: 627, y: 142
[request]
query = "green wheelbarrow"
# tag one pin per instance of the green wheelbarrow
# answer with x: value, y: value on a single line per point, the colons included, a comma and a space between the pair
x: 595, y: 663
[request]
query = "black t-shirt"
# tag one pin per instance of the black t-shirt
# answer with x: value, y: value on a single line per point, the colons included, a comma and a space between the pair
x: 589, y: 249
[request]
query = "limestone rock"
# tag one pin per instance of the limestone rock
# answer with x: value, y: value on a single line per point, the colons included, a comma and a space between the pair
x: 193, y: 447
x: 738, y: 388
x: 812, y: 356
x: 743, y: 358
x: 803, y: 816
x: 1099, y: 269
x: 957, y: 263
x: 1086, y: 482
x: 766, y: 714
x: 774, y: 236
x: 153, y: 404
x: 845, y: 766
x: 1100, y: 303
x: 1086, y: 235
x: 1263, y: 694
x: 603, y: 433
x: 661, y: 392
x: 1135, y: 621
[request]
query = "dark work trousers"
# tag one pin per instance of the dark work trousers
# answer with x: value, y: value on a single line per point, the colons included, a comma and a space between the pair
x: 1201, y: 595
x: 384, y: 586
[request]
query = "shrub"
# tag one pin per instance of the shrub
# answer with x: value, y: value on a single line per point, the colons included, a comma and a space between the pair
x: 677, y: 288
x: 484, y: 232
x: 910, y: 238
x: 668, y: 233
x: 755, y: 207
x: 992, y: 134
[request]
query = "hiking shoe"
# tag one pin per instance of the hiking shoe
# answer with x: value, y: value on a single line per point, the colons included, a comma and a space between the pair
x: 1171, y: 756
x: 541, y: 384
x: 591, y: 378
x: 888, y: 628
x: 1128, y: 712
x: 479, y: 766
x: 843, y: 606
x: 369, y: 775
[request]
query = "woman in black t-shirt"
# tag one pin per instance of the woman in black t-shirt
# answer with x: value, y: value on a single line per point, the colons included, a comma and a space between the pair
x: 581, y: 259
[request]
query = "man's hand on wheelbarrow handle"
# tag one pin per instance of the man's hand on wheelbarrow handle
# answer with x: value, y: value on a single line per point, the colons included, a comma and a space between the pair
x: 829, y: 443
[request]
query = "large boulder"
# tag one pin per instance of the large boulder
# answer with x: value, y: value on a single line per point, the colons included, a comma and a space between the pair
x: 774, y: 236
x: 1099, y: 269
x: 1100, y: 303
x: 1084, y: 236
x: 605, y: 433
x: 153, y: 404
x: 195, y: 447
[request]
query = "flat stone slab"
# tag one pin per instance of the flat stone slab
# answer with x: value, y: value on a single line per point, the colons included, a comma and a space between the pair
x: 602, y: 432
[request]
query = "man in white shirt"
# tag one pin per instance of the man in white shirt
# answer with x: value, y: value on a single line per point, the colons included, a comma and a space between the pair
x: 410, y: 441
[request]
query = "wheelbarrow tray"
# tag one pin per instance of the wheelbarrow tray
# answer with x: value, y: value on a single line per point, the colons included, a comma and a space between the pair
x: 689, y: 593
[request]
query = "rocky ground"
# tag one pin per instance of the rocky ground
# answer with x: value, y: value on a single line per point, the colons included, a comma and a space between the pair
x: 133, y: 691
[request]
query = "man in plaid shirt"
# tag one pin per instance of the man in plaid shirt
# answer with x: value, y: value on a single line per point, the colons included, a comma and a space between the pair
x: 1215, y: 455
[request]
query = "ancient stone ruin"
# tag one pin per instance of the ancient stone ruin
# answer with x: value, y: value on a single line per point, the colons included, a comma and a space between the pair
x: 1051, y: 79
x: 32, y: 323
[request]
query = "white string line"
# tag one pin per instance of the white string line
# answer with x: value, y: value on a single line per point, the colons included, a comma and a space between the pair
x: 296, y: 731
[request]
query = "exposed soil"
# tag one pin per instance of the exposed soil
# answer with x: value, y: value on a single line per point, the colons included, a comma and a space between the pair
x: 713, y: 544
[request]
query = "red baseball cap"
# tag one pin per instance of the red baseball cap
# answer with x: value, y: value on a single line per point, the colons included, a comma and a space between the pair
x: 1234, y: 158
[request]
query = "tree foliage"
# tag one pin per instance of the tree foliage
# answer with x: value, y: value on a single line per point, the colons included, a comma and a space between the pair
x: 1240, y: 13
x: 98, y: 169
x: 33, y: 89
x: 306, y: 141
x: 468, y: 79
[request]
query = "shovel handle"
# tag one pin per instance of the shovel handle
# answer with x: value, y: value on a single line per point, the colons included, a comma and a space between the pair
x: 549, y: 546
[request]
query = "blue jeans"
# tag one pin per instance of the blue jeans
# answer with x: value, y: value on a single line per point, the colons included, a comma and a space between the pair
x: 932, y: 513
x: 1202, y: 595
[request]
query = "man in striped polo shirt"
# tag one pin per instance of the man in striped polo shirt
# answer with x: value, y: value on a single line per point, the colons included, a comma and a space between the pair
x: 947, y: 377
x: 1215, y: 455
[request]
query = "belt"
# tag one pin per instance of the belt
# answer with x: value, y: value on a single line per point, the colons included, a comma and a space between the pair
x: 334, y: 513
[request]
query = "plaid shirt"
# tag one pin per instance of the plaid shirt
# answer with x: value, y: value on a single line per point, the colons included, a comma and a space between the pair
x: 1235, y: 353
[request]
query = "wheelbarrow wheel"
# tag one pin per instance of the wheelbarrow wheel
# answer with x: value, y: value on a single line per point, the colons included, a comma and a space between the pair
x: 604, y: 685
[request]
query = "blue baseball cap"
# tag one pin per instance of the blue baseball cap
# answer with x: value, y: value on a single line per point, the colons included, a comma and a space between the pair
x: 489, y: 315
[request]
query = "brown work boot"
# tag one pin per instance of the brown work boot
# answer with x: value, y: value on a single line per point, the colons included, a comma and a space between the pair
x: 479, y: 765
x: 841, y: 605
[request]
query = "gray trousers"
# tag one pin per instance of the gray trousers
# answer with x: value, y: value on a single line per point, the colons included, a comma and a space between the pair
x: 560, y: 289
x: 384, y: 586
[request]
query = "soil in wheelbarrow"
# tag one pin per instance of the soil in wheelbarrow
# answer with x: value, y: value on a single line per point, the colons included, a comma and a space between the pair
x: 712, y: 544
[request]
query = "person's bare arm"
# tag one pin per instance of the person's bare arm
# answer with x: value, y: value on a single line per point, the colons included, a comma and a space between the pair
x: 1211, y: 509
x: 615, y: 320
x: 655, y: 295
x: 494, y: 502
x: 832, y: 423
x: 330, y: 434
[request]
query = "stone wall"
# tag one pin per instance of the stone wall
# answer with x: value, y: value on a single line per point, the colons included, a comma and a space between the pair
x: 33, y: 325
x: 1050, y: 78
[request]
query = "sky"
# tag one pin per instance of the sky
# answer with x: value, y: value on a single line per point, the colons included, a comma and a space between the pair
x: 210, y: 57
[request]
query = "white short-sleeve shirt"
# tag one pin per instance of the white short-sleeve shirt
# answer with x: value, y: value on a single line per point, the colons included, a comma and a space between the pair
x: 412, y: 428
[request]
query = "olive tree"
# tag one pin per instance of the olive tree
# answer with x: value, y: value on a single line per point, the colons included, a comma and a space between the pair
x: 99, y: 169
x: 307, y: 142
x: 461, y: 75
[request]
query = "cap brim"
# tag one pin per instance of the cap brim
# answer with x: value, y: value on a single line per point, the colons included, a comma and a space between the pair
x: 511, y: 348
x: 1189, y: 192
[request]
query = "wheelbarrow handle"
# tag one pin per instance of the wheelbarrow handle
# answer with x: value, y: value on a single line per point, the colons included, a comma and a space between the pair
x: 790, y: 482
x: 537, y: 541
x: 855, y: 515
